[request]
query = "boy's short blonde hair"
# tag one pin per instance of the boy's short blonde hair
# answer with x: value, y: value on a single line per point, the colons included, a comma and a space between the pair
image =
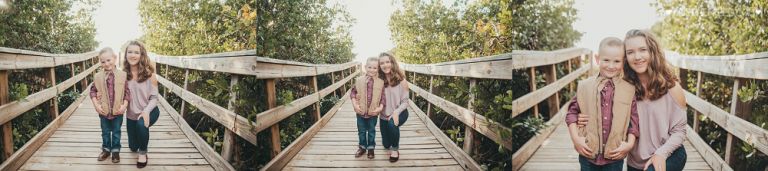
x: 611, y: 42
x: 371, y: 59
x: 108, y: 50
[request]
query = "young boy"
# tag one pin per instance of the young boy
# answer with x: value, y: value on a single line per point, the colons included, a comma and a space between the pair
x: 110, y: 96
x: 368, y: 100
x: 609, y: 101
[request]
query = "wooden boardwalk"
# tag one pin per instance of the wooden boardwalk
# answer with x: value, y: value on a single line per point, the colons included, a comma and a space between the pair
x: 333, y: 147
x: 557, y: 153
x: 76, y: 144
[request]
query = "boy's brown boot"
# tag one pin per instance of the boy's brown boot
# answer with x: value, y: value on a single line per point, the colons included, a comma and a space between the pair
x: 360, y: 152
x: 116, y: 157
x: 370, y: 154
x: 103, y: 156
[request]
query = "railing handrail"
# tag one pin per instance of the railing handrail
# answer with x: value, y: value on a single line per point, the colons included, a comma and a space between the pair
x: 742, y: 66
x: 498, y: 66
x: 11, y: 58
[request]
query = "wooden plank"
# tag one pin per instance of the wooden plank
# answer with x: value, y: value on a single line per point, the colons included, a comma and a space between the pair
x: 470, y: 140
x: 7, y: 127
x: 216, y: 112
x: 532, y: 84
x: 498, y: 66
x: 210, y: 155
x: 274, y: 127
x: 186, y: 83
x: 335, y: 86
x: 696, y: 113
x: 529, y: 100
x: 742, y: 129
x: 66, y: 84
x: 53, y: 104
x: 330, y: 68
x: 742, y: 66
x: 710, y: 156
x: 63, y: 59
x: 279, y: 161
x: 527, y: 150
x: 15, y: 161
x: 554, y: 100
x: 14, y: 109
x: 229, y: 143
x: 465, y: 161
x: 480, y: 124
x: 316, y: 113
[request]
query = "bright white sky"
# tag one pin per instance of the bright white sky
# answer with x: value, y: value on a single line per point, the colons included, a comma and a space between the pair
x: 119, y: 21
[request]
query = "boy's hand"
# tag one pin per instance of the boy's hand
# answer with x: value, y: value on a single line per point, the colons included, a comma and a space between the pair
x: 357, y: 108
x: 621, y: 151
x: 580, y: 144
x: 378, y: 109
x: 659, y: 163
x: 122, y: 109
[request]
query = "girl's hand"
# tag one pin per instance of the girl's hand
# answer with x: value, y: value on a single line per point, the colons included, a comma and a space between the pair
x: 659, y: 163
x: 146, y: 119
x: 396, y: 119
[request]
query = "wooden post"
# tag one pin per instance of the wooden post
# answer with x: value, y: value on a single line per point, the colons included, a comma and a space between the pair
x: 53, y: 107
x: 429, y: 105
x: 683, y: 75
x: 698, y: 92
x: 84, y: 82
x: 275, y: 129
x: 316, y: 114
x: 230, y: 144
x: 7, y: 127
x: 532, y: 84
x: 570, y: 70
x: 72, y: 74
x: 345, y: 84
x: 333, y: 81
x: 735, y: 104
x: 554, y: 101
x: 165, y: 93
x: 469, y: 133
x: 413, y: 81
x: 183, y: 103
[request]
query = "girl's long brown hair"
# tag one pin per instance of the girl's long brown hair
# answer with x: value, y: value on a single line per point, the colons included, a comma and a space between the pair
x: 145, y: 67
x: 661, y: 77
x: 397, y: 74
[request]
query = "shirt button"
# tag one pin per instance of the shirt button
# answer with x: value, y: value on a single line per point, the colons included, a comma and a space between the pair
x: 606, y: 118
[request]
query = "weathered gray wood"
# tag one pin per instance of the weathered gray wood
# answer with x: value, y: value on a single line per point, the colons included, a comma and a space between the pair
x: 742, y: 129
x: 710, y: 156
x: 529, y: 100
x: 479, y: 123
x: 274, y: 128
x: 7, y: 127
x: 464, y: 159
x: 554, y: 100
x: 429, y: 105
x: 53, y: 104
x: 14, y: 109
x: 498, y: 66
x: 742, y: 66
x: 696, y: 113
x: 470, y: 139
x: 226, y: 118
x: 297, y: 145
x: 527, y: 150
x: 186, y: 82
x: 15, y: 161
x: 532, y: 87
x: 229, y: 144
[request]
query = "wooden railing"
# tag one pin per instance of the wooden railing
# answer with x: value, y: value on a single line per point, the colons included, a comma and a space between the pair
x: 741, y: 68
x: 15, y: 59
x: 246, y: 63
x: 502, y: 67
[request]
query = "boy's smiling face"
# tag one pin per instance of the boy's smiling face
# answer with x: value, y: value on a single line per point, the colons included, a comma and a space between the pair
x: 107, y: 61
x: 372, y: 68
x: 611, y: 61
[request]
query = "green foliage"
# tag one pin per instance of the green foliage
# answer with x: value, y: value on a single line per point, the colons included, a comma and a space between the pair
x: 211, y: 137
x: 52, y: 26
x: 701, y: 27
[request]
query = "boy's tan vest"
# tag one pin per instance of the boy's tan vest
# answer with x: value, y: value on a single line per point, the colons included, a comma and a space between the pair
x: 100, y: 81
x: 589, y: 103
x: 361, y: 84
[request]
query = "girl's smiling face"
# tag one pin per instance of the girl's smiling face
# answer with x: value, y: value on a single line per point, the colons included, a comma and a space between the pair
x: 637, y: 53
x: 133, y: 54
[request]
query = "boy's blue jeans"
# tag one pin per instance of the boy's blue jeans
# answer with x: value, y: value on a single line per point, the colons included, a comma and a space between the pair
x: 110, y: 133
x: 138, y: 134
x: 390, y: 134
x: 675, y: 161
x: 366, y: 132
x: 586, y: 165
